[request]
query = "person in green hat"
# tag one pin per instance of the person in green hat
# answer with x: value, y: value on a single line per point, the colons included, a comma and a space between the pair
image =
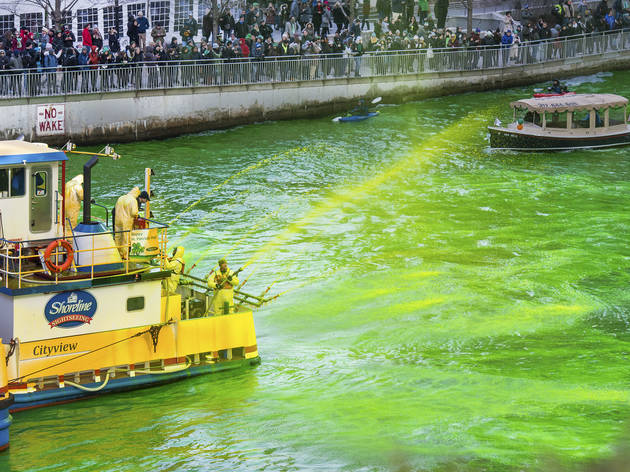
x: 222, y: 282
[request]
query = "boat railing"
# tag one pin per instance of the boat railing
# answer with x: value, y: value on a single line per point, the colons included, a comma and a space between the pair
x: 22, y: 262
x: 106, y: 78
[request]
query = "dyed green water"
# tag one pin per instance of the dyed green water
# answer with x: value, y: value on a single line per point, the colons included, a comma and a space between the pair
x: 454, y: 309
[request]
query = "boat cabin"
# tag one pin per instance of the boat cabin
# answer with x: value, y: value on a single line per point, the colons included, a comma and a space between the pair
x: 30, y: 200
x: 574, y: 114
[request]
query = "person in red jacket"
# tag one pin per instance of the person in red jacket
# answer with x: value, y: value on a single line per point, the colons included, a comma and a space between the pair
x: 87, y: 35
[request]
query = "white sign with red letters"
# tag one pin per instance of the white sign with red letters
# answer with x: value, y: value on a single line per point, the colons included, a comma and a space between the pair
x: 51, y: 119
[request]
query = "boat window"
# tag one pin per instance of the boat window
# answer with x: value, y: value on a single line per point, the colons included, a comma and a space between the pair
x: 40, y: 181
x: 556, y: 120
x: 135, y: 303
x: 599, y: 118
x: 581, y: 119
x: 12, y: 182
x: 616, y: 116
x: 17, y: 182
x: 4, y: 183
x: 530, y: 117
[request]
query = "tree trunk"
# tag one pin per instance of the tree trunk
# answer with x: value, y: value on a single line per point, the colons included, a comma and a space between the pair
x: 351, y: 12
x: 469, y: 17
x: 215, y: 21
x: 57, y: 16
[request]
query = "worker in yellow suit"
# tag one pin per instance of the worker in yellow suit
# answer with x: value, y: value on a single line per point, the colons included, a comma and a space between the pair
x: 222, y: 282
x: 176, y: 265
x: 72, y: 202
x: 126, y: 211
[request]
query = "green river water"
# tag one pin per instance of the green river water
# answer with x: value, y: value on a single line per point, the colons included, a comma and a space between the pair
x: 446, y: 307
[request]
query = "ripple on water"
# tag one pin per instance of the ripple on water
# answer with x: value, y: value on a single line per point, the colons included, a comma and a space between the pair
x: 446, y: 307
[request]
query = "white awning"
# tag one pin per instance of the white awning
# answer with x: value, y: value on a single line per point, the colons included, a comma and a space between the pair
x: 571, y: 102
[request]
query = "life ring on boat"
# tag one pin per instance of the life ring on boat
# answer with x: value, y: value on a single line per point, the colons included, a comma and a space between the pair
x: 52, y: 247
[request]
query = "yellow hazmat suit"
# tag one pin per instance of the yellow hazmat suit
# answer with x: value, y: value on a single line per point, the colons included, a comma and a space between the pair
x: 176, y: 266
x: 72, y: 202
x: 226, y: 280
x: 126, y: 211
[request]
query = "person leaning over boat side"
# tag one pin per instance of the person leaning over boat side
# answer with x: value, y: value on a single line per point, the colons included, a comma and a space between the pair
x: 176, y: 265
x: 72, y: 202
x: 222, y: 282
x: 126, y: 211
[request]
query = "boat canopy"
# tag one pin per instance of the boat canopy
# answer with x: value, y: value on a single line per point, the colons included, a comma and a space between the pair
x: 591, y: 101
x: 20, y: 152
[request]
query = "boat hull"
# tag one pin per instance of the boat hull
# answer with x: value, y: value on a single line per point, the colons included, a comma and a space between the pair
x: 503, y: 138
x: 5, y: 421
x: 26, y: 401
x: 357, y: 117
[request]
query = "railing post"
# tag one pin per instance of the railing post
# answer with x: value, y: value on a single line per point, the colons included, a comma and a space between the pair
x: 19, y: 266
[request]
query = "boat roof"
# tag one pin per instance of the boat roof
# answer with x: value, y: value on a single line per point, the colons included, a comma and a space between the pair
x: 20, y: 152
x: 584, y: 101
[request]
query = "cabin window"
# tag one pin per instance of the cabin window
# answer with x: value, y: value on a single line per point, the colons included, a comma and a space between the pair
x: 41, y: 183
x: 599, y: 118
x: 17, y: 182
x: 135, y: 303
x: 616, y: 116
x: 12, y: 182
x: 556, y: 120
x: 532, y: 117
x: 4, y: 183
x: 581, y: 119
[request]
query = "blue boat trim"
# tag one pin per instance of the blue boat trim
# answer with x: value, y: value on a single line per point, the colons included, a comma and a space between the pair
x: 156, y: 274
x: 5, y: 421
x: 25, y: 401
x: 102, y: 267
x: 13, y: 159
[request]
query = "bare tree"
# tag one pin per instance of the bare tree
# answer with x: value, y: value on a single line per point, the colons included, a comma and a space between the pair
x: 57, y: 9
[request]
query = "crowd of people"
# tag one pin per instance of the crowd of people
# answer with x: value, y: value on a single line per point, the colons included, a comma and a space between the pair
x: 30, y: 62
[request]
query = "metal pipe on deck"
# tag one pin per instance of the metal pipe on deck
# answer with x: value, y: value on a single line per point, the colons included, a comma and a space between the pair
x: 87, y: 190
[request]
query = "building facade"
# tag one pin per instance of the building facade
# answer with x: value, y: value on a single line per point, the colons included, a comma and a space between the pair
x: 169, y: 13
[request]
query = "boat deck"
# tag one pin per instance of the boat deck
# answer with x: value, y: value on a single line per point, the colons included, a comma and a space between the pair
x: 137, y: 272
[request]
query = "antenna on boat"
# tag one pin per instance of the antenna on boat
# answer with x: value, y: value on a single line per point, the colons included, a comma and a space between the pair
x: 107, y: 151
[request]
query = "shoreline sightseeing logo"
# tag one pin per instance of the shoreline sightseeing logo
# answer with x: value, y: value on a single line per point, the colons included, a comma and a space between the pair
x: 70, y: 309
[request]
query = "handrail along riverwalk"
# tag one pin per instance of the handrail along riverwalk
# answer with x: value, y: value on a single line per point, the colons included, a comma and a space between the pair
x: 109, y: 78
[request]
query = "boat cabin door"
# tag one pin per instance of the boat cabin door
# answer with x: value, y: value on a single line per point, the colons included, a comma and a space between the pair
x: 41, y: 199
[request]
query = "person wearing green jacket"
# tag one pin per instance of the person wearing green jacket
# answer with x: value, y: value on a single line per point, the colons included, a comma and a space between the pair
x: 423, y: 10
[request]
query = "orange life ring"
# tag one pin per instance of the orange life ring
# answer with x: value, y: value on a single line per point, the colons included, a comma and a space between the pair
x: 52, y: 247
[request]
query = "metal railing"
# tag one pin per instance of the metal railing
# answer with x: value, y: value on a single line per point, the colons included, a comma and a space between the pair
x: 106, y: 78
x: 22, y: 262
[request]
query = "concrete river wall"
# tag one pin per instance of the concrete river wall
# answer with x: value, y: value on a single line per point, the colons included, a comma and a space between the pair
x: 140, y: 114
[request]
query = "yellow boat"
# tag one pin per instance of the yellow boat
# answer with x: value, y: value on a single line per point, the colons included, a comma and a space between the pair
x: 76, y: 320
